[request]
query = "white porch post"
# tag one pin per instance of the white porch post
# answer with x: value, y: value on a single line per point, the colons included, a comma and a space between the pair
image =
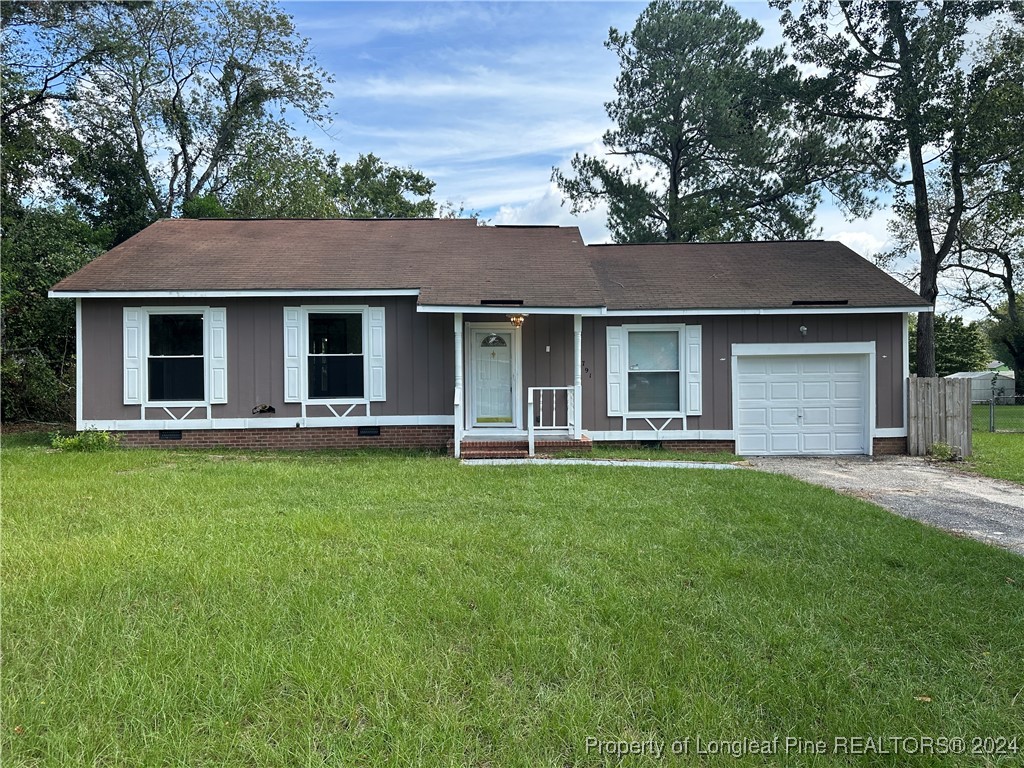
x: 459, y: 418
x: 577, y: 375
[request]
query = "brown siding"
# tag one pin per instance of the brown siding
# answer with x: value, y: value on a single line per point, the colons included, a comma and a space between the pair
x: 720, y: 332
x: 420, y: 357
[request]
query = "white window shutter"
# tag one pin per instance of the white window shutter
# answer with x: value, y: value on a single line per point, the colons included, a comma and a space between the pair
x: 694, y: 392
x: 616, y: 341
x: 292, y: 355
x: 134, y: 320
x: 375, y: 355
x: 218, y: 352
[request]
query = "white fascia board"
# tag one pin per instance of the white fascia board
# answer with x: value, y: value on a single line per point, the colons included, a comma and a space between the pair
x: 125, y: 425
x: 510, y: 310
x: 231, y: 294
x: 755, y: 311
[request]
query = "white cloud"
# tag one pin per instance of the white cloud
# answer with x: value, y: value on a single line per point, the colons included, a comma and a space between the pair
x: 548, y: 208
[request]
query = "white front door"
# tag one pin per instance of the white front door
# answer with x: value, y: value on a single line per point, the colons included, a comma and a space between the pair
x: 492, y: 361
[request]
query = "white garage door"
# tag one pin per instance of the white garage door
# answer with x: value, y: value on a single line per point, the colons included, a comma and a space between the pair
x: 801, y: 404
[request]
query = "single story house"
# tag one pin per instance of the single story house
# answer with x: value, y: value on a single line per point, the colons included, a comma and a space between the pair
x: 338, y: 333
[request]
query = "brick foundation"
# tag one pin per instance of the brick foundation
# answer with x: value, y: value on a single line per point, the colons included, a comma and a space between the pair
x: 293, y: 439
x: 682, y: 446
x: 889, y: 446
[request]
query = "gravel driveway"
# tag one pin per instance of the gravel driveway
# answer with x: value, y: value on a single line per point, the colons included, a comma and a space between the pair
x: 936, y: 494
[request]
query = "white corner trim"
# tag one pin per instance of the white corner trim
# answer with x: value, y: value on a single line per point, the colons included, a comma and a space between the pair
x: 905, y: 384
x: 227, y: 294
x: 128, y: 425
x: 79, y: 373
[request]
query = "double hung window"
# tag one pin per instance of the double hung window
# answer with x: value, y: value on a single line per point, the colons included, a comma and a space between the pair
x: 334, y: 353
x: 654, y: 371
x: 335, y: 360
x: 175, y: 356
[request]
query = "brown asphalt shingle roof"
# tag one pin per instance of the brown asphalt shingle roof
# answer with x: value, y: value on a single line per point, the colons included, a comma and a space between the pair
x: 455, y: 262
x: 451, y: 261
x: 742, y: 276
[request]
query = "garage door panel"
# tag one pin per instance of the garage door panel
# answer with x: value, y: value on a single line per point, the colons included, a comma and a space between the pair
x: 783, y: 417
x: 815, y: 390
x: 849, y: 442
x: 748, y: 445
x: 816, y: 443
x: 752, y: 417
x: 848, y: 390
x: 802, y: 404
x: 817, y: 417
x: 849, y: 417
x: 783, y: 365
x: 847, y: 364
x: 753, y: 390
x: 784, y: 390
x: 814, y: 364
x: 784, y: 442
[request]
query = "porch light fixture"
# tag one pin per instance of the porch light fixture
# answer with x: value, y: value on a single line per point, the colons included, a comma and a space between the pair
x: 516, y: 320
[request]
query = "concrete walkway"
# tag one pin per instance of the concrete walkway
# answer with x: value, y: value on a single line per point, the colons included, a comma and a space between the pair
x: 605, y: 463
x: 937, y: 494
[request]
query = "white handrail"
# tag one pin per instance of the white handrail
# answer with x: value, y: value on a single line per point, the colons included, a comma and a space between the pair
x: 546, y: 419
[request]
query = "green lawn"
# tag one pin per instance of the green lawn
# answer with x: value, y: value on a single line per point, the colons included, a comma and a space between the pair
x: 999, y: 454
x: 1009, y: 418
x: 203, y: 609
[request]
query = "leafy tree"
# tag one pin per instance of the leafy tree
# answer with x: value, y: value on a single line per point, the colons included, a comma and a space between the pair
x: 121, y: 113
x: 182, y: 85
x: 40, y: 247
x: 985, y: 268
x: 297, y: 180
x: 902, y: 80
x: 958, y: 346
x: 1005, y: 330
x: 705, y: 144
x: 371, y: 188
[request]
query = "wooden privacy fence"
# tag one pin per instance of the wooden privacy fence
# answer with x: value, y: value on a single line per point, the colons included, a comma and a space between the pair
x: 939, y: 411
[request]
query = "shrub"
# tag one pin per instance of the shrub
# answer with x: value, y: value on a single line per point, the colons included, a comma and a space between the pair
x: 88, y: 440
x: 943, y: 452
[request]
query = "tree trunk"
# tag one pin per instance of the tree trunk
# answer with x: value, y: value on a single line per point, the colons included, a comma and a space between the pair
x: 925, y: 344
x: 908, y: 102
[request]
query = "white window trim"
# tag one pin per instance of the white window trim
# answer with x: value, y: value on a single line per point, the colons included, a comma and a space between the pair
x: 303, y: 370
x: 680, y: 369
x: 146, y: 312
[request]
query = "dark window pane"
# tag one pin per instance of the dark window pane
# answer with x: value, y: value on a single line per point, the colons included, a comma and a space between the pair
x: 653, y: 392
x: 175, y: 335
x: 336, y: 334
x: 336, y: 376
x: 176, y: 378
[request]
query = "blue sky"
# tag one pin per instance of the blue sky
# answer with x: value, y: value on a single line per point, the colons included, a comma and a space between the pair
x: 486, y: 97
